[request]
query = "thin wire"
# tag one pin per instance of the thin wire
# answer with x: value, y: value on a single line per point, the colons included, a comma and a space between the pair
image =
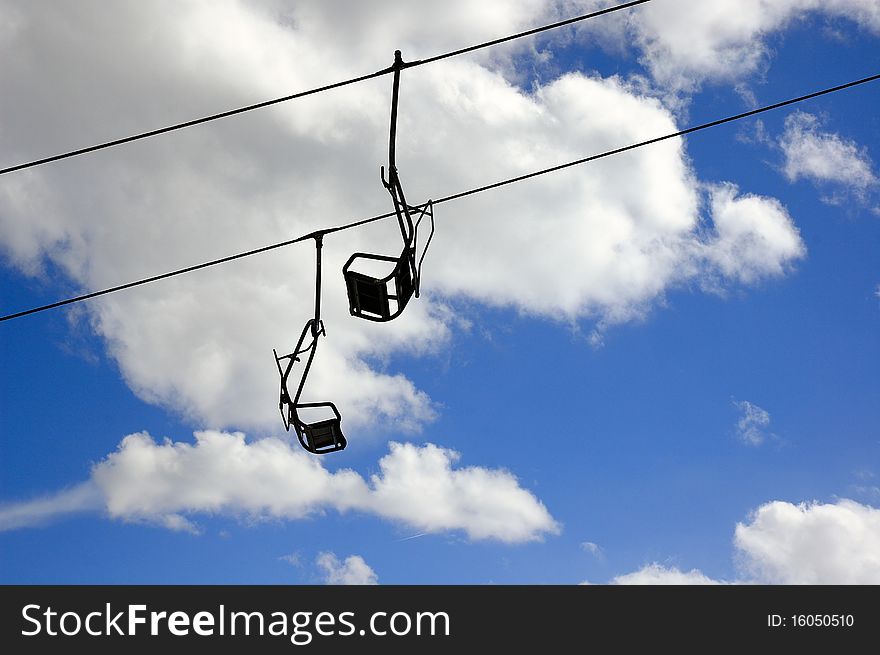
x: 197, y: 121
x: 188, y: 269
x: 519, y: 35
x: 320, y: 89
x: 633, y: 146
x: 449, y: 198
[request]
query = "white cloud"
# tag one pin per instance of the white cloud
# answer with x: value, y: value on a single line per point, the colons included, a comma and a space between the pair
x: 420, y: 487
x: 824, y: 156
x: 783, y: 543
x: 684, y: 43
x: 871, y: 492
x: 657, y: 574
x: 592, y: 548
x: 353, y: 571
x: 294, y: 559
x: 603, y: 242
x: 81, y: 498
x: 755, y: 236
x: 811, y: 543
x: 752, y: 424
x: 223, y: 474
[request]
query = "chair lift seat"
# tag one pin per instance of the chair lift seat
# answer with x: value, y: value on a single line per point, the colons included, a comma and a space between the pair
x: 369, y: 297
x: 323, y: 436
x: 320, y: 436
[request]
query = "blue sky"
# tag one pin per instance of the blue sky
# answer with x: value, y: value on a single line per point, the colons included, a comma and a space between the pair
x: 657, y: 369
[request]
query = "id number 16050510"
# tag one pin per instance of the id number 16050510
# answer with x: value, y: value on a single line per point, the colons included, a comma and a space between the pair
x: 810, y: 621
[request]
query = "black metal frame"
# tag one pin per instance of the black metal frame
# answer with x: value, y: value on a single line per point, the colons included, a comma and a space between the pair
x: 369, y: 297
x: 318, y: 437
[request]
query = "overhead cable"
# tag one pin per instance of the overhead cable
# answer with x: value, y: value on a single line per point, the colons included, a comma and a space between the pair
x: 448, y: 198
x: 320, y: 89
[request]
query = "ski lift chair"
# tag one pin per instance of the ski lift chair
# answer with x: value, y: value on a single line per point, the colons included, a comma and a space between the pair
x: 318, y: 436
x: 384, y: 298
x: 322, y: 436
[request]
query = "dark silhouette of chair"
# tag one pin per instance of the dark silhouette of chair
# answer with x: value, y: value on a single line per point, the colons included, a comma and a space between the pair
x: 384, y: 298
x: 323, y: 435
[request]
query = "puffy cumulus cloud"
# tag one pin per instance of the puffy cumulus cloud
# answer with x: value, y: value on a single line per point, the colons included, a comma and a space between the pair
x: 224, y: 474
x: 811, y: 543
x: 685, y: 43
x: 622, y: 244
x: 219, y: 473
x: 657, y: 574
x: 353, y: 571
x: 784, y: 543
x: 755, y: 237
x: 753, y: 421
x: 420, y: 487
x: 603, y: 242
x: 824, y: 156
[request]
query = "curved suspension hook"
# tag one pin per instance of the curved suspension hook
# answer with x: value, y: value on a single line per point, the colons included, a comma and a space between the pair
x: 319, y: 245
x: 393, y: 182
x: 403, y: 210
x: 315, y: 325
